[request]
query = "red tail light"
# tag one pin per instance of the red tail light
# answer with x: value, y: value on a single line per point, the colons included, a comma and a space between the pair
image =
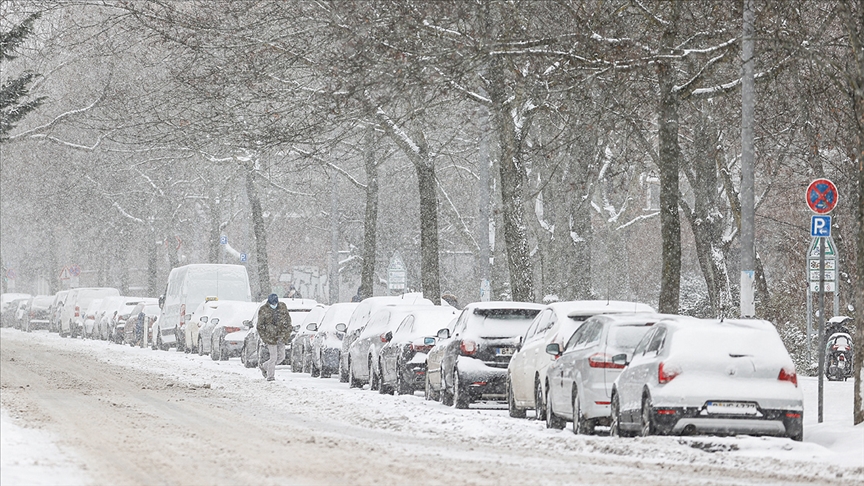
x: 420, y: 348
x: 603, y: 360
x: 468, y: 347
x: 77, y: 311
x: 383, y: 338
x: 229, y: 330
x: 793, y: 415
x: 666, y: 374
x: 788, y: 375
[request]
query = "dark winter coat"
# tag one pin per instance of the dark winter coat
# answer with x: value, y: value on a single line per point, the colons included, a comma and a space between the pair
x: 274, y: 324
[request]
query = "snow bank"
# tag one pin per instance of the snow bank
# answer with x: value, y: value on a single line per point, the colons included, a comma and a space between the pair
x: 30, y: 457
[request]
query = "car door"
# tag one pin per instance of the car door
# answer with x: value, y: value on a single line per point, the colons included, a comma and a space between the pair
x: 521, y: 378
x: 562, y: 376
x: 639, y: 373
x: 536, y: 357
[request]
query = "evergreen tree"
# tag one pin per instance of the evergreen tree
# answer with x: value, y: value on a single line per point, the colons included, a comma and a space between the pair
x: 15, y: 100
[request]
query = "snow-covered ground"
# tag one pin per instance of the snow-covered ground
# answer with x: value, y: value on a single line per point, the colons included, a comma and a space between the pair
x: 832, y: 449
x: 30, y: 457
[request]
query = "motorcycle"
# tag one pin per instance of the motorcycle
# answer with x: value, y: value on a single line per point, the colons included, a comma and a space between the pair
x: 839, y: 357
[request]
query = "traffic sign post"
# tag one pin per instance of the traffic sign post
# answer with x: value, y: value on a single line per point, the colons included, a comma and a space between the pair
x: 821, y: 198
x: 243, y: 258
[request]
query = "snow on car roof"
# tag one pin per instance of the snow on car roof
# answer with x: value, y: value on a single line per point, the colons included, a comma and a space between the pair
x: 589, y: 308
x: 503, y: 304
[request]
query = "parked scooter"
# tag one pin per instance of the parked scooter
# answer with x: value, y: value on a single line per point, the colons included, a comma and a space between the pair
x: 839, y: 357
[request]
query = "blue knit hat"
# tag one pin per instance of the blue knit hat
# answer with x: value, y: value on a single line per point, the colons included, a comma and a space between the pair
x: 273, y: 299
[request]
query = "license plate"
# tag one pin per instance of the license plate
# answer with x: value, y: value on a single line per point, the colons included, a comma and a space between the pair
x: 504, y: 351
x: 731, y: 408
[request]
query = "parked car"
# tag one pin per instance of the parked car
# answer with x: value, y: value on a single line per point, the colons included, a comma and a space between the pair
x: 301, y: 341
x: 7, y: 310
x: 720, y: 377
x: 39, y: 315
x: 403, y: 359
x: 187, y: 288
x: 327, y: 342
x: 56, y: 310
x: 117, y: 324
x: 434, y: 358
x: 361, y: 316
x: 141, y: 321
x: 554, y: 324
x: 200, y: 342
x: 229, y: 318
x: 91, y: 314
x: 578, y: 385
x: 474, y: 364
x: 363, y: 360
x: 253, y: 349
x: 72, y: 319
x: 105, y: 314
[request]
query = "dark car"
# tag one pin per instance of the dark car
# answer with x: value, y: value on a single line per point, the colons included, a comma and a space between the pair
x: 474, y: 361
x: 403, y: 358
x: 39, y: 316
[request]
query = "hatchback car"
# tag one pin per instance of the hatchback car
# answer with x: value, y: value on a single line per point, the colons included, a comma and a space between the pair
x: 301, y: 341
x: 719, y: 377
x: 403, y: 358
x: 554, y: 324
x: 40, y: 313
x: 578, y: 383
x: 474, y: 363
x: 327, y: 342
x: 364, y: 365
x: 230, y: 317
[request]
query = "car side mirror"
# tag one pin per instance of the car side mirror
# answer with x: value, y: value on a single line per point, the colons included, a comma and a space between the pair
x: 620, y: 359
x: 204, y: 319
x: 388, y: 336
x: 296, y: 327
x: 312, y: 327
x: 188, y: 317
x: 247, y: 323
x: 341, y: 327
x: 554, y: 349
x: 444, y: 333
x: 161, y: 300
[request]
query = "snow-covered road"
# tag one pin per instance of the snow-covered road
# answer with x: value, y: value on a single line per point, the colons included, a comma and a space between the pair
x: 109, y: 414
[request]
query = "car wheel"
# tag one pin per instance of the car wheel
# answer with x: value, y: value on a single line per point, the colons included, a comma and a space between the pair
x: 514, y: 411
x: 646, y: 421
x: 460, y: 394
x: 296, y: 363
x: 581, y: 426
x: 223, y: 350
x: 200, y: 346
x: 615, y: 417
x: 402, y: 388
x: 539, y: 407
x: 343, y: 372
x: 553, y: 421
x: 315, y: 371
x: 383, y: 388
x: 214, y: 351
x: 446, y: 395
x: 352, y: 382
x: 429, y: 393
x: 374, y: 384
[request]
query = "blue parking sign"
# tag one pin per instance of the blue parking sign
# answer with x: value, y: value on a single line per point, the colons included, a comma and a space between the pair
x: 820, y: 226
x: 242, y: 258
x: 223, y: 240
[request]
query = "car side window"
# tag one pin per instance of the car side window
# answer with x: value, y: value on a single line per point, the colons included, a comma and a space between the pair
x: 406, y: 325
x: 592, y: 334
x: 546, y: 323
x: 532, y: 330
x: 640, y: 348
x: 657, y: 341
x: 574, y: 339
x: 460, y: 324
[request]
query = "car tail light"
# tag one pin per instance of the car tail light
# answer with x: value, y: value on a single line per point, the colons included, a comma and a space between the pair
x: 793, y: 415
x: 468, y: 347
x: 603, y: 360
x: 383, y: 337
x: 666, y: 411
x: 788, y: 375
x: 77, y: 311
x: 229, y: 330
x: 420, y: 348
x: 666, y: 373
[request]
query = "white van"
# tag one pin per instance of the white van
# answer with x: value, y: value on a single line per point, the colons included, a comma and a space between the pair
x: 188, y: 286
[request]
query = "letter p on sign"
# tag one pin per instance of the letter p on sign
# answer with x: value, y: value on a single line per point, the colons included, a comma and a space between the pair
x: 820, y: 226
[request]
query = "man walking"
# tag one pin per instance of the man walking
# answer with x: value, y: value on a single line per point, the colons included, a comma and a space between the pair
x: 274, y: 329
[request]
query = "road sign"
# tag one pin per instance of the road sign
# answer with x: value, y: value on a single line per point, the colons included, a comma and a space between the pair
x: 829, y: 286
x: 830, y: 251
x: 65, y: 274
x: 223, y: 240
x: 822, y: 196
x: 820, y: 226
x: 10, y: 274
x: 397, y: 277
x: 243, y: 258
x: 74, y: 270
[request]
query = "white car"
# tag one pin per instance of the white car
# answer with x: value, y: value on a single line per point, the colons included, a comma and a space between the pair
x: 554, y: 324
x: 708, y: 376
x: 578, y: 383
x: 230, y: 317
x: 199, y: 320
x: 327, y: 342
x: 77, y: 302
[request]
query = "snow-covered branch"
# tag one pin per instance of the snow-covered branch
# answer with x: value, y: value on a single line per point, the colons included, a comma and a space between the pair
x: 636, y: 220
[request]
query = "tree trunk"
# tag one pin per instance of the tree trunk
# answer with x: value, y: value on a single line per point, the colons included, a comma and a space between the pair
x: 260, y: 233
x: 429, y: 265
x: 152, y: 262
x: 669, y: 152
x: 370, y: 222
x: 215, y: 230
x: 512, y: 173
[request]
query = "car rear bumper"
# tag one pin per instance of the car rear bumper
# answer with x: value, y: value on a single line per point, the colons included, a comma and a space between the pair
x: 480, y: 381
x: 686, y: 421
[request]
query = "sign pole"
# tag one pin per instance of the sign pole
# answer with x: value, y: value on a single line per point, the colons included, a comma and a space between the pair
x: 821, y: 339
